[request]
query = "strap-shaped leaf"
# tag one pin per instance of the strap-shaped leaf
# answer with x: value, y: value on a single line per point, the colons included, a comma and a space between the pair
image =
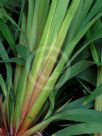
x: 3, y: 85
x: 7, y: 34
x: 19, y: 61
x: 94, y: 94
x: 4, y: 56
x: 75, y: 105
x: 82, y: 128
x: 86, y: 116
x: 73, y: 71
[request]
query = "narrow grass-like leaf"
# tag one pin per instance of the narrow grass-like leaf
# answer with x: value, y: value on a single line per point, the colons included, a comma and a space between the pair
x: 78, y: 129
x: 22, y: 86
x: 76, y: 104
x: 38, y: 59
x: 31, y: 5
x: 52, y: 104
x: 22, y: 40
x: 86, y: 90
x: 94, y: 94
x: 95, y: 36
x: 58, y: 44
x: 4, y: 56
x: 3, y: 85
x: 60, y: 41
x: 40, y: 10
x: 19, y: 61
x: 42, y: 17
x: 21, y: 15
x: 23, y: 51
x: 7, y: 34
x: 93, y: 49
x: 52, y: 80
x: 72, y: 44
x: 80, y: 115
x: 73, y: 71
x: 96, y: 9
x: 88, y: 76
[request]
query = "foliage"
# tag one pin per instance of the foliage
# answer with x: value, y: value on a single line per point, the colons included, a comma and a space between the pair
x: 44, y: 45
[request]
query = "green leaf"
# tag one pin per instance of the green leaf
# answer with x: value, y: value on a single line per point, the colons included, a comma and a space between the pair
x: 73, y: 71
x: 80, y: 115
x: 23, y: 51
x: 88, y: 76
x: 61, y: 37
x: 37, y: 22
x: 69, y: 49
x: 86, y: 116
x: 86, y: 89
x: 44, y: 9
x: 7, y: 35
x: 75, y: 105
x: 4, y: 56
x: 94, y: 94
x: 96, y: 9
x: 19, y: 61
x: 3, y: 85
x: 8, y: 17
x: 96, y: 36
x: 93, y: 48
x: 52, y: 104
x: 21, y: 15
x: 22, y: 87
x: 82, y: 128
x: 77, y: 23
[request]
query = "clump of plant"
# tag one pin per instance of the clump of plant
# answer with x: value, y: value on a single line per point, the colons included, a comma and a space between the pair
x: 44, y: 43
